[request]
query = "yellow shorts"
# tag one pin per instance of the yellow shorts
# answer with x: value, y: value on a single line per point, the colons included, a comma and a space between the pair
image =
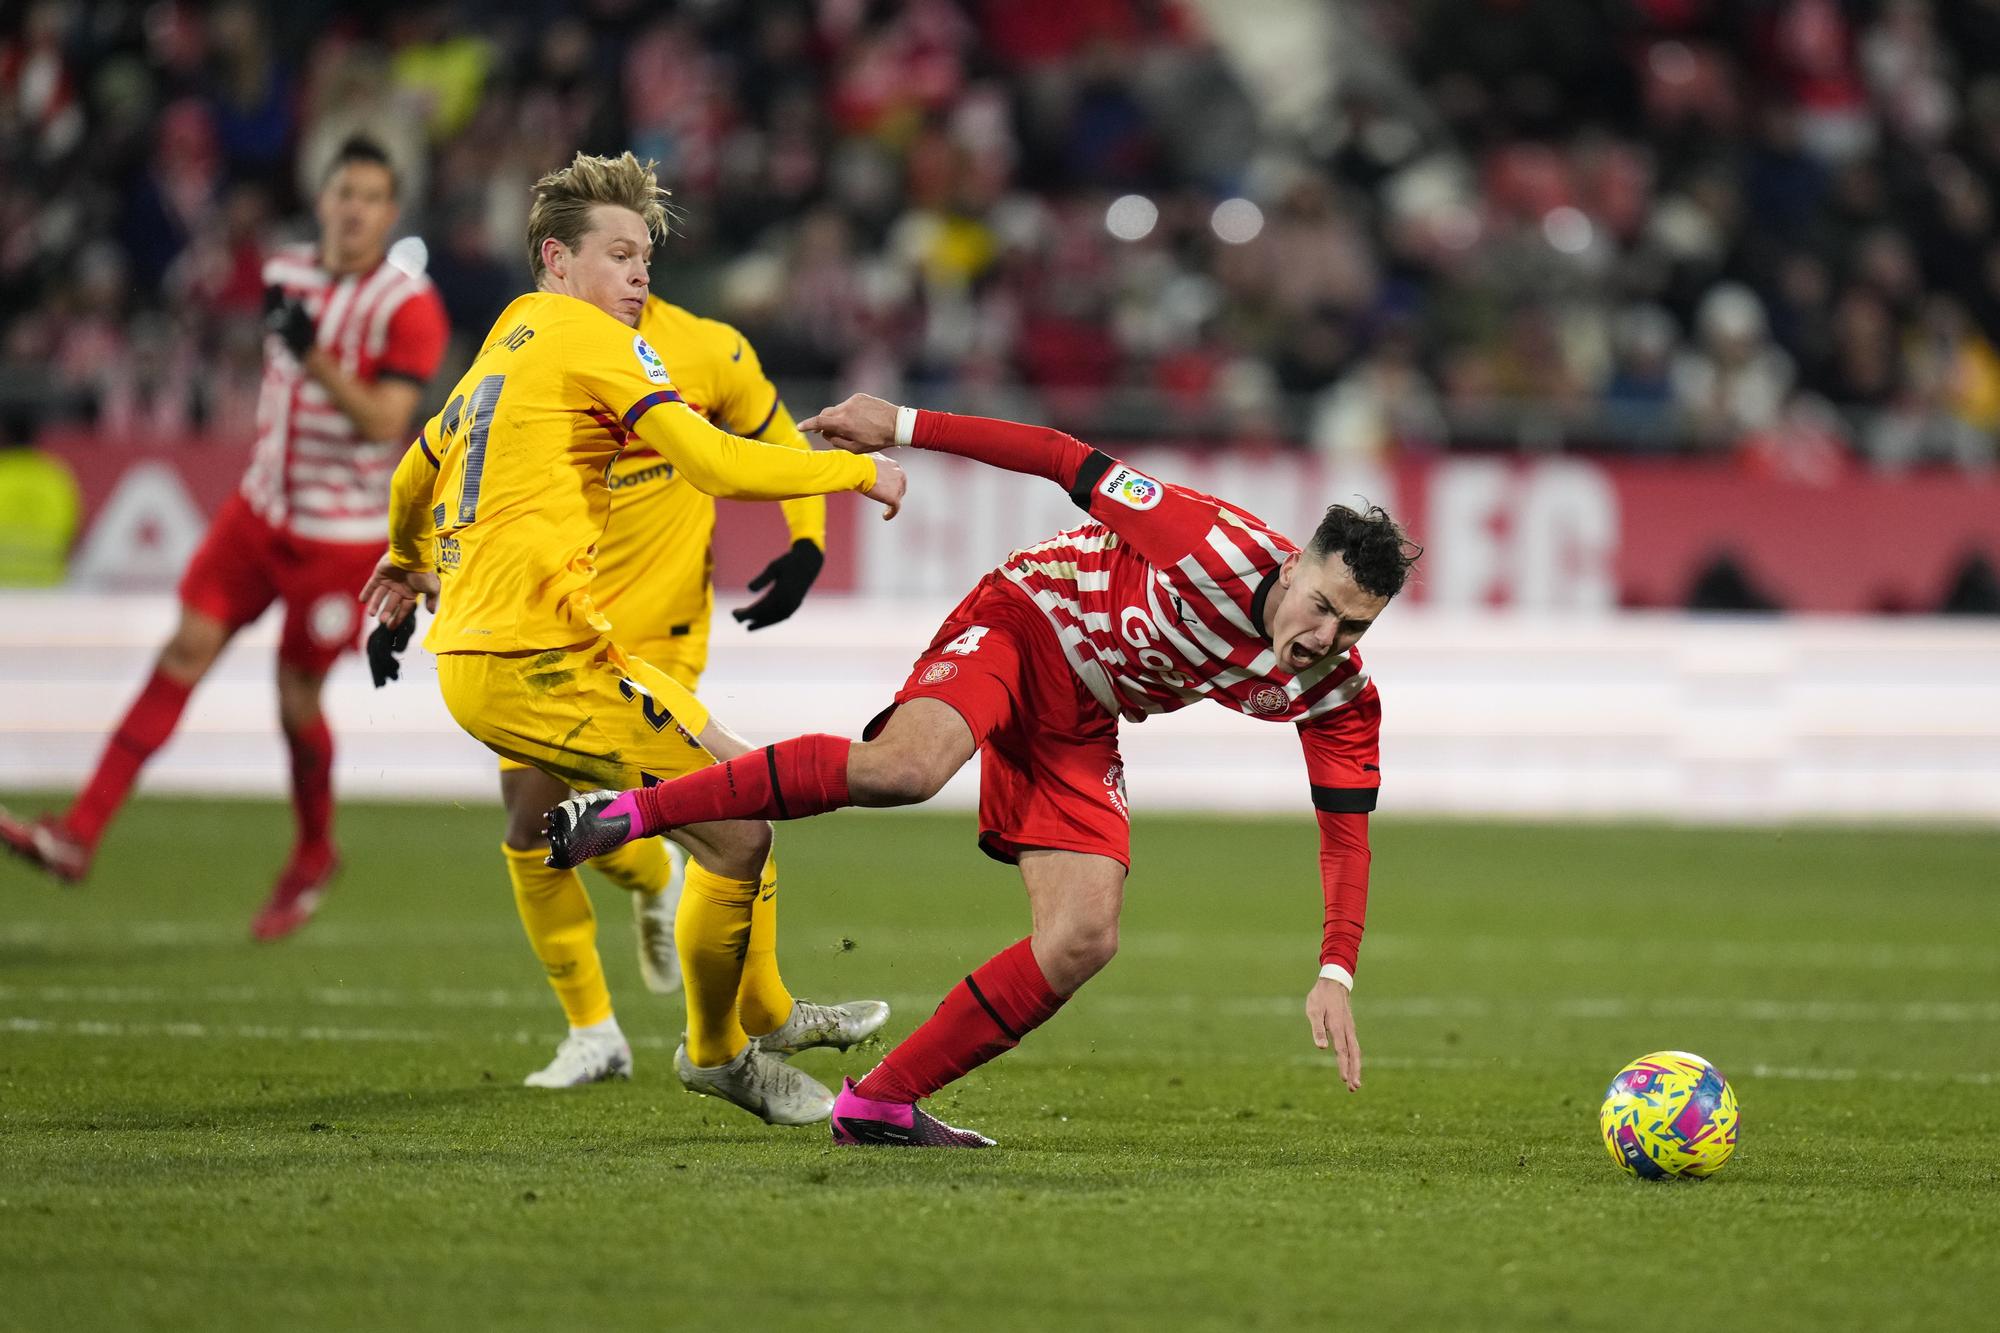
x: 590, y: 715
x: 681, y: 657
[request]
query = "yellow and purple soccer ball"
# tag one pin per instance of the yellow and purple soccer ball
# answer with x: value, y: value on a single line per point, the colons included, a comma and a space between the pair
x: 1669, y: 1114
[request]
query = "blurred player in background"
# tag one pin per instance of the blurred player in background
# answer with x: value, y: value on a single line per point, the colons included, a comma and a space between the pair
x: 653, y: 583
x: 1167, y: 597
x: 505, y: 495
x: 353, y: 337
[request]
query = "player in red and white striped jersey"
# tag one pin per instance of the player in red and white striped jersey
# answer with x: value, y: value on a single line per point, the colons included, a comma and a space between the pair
x: 353, y: 338
x: 1166, y: 598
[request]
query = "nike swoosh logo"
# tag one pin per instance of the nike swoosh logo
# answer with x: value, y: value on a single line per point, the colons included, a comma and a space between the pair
x: 765, y: 898
x: 738, y: 354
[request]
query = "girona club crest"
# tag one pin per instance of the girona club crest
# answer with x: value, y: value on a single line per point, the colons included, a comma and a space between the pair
x: 937, y: 673
x: 1270, y: 700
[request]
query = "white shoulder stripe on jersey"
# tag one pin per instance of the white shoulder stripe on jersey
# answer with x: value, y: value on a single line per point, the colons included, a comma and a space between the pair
x: 373, y: 289
x: 1270, y: 548
x: 1338, y: 697
x: 1199, y: 580
x: 394, y: 300
x: 1314, y: 674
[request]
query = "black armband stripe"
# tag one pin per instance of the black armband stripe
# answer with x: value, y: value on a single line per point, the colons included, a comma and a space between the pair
x: 1087, y: 477
x: 403, y: 375
x: 1344, y: 800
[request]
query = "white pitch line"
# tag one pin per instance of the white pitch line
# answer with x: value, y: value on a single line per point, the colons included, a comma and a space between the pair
x: 1486, y: 949
x: 1437, y: 1007
x: 43, y: 1027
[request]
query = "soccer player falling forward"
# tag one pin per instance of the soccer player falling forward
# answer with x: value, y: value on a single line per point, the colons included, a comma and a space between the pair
x: 496, y: 515
x: 1167, y: 597
x: 353, y: 338
x: 652, y: 582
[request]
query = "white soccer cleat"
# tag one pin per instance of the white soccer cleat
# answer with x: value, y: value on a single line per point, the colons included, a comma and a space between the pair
x: 653, y: 918
x: 837, y: 1025
x: 583, y: 1058
x: 761, y: 1084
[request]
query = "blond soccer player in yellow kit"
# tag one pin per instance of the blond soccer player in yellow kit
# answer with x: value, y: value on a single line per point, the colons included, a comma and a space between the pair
x: 652, y: 583
x: 505, y: 495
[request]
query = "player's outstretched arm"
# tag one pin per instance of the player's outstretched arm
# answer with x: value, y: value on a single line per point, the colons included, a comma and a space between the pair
x: 720, y: 464
x: 865, y: 422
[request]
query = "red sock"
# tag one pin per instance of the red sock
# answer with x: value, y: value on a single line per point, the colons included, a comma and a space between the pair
x: 985, y: 1015
x: 789, y: 780
x: 312, y: 782
x: 144, y: 729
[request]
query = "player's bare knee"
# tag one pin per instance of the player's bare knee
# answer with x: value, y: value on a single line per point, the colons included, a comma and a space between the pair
x: 1077, y: 951
x: 191, y: 651
x: 732, y: 848
x: 891, y: 774
x: 527, y: 830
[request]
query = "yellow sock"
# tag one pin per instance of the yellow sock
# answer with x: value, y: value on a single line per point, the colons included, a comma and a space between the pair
x: 712, y: 934
x: 555, y: 911
x: 762, y: 1000
x: 637, y: 867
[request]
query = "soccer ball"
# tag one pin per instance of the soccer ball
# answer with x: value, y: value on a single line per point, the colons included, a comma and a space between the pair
x: 1669, y: 1114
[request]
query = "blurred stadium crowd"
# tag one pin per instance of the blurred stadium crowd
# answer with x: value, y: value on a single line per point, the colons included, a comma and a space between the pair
x: 1761, y: 228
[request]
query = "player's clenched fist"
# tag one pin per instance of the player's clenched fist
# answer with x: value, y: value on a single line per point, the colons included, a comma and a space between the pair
x: 860, y: 424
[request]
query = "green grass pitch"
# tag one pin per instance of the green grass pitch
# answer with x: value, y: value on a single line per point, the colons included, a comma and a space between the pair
x: 330, y: 1133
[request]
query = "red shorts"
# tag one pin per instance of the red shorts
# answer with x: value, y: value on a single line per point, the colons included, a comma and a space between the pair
x: 244, y: 564
x: 1049, y: 773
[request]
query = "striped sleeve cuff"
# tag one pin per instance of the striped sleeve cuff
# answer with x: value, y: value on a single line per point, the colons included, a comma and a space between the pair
x: 765, y: 424
x: 424, y: 445
x: 645, y: 405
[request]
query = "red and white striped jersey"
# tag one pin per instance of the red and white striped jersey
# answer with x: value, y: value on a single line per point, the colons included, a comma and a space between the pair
x: 1160, y: 603
x: 311, y: 473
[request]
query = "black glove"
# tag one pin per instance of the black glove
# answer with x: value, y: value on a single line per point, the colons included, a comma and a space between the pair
x: 790, y: 577
x: 286, y: 316
x: 384, y: 643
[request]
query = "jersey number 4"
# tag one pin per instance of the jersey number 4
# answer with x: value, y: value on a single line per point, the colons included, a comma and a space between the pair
x: 475, y: 413
x: 966, y: 644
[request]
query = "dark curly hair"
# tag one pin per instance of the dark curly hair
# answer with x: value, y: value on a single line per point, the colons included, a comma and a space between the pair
x: 1374, y: 546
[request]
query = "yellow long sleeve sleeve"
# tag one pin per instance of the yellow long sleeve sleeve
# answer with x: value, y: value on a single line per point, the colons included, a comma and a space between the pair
x: 730, y: 468
x: 412, y: 536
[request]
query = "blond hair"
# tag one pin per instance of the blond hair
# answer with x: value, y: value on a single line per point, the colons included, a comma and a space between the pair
x: 563, y: 200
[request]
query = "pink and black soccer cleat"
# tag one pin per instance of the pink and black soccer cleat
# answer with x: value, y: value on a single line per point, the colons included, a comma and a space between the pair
x: 591, y: 824
x: 858, y: 1121
x: 44, y: 843
x: 296, y: 896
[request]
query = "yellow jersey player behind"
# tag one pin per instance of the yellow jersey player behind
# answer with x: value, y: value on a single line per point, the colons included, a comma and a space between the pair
x: 653, y: 583
x: 496, y: 516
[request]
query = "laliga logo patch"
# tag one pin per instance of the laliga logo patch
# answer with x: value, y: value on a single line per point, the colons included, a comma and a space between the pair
x: 937, y: 673
x: 649, y: 360
x: 1270, y: 699
x: 1134, y: 490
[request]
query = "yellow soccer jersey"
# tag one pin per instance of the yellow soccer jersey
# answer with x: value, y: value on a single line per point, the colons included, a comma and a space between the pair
x: 522, y: 450
x: 653, y: 564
